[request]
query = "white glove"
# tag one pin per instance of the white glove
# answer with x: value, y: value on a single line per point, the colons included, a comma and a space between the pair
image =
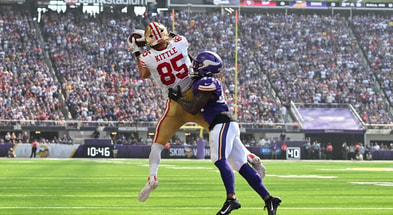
x: 132, y: 41
x: 132, y: 45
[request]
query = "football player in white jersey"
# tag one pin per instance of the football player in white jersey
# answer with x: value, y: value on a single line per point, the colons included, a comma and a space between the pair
x: 226, y: 148
x: 168, y: 63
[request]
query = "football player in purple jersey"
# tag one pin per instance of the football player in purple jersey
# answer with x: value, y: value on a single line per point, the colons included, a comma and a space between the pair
x: 226, y: 148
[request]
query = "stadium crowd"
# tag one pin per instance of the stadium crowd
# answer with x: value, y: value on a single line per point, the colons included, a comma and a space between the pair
x: 375, y: 38
x: 299, y: 58
x: 27, y: 89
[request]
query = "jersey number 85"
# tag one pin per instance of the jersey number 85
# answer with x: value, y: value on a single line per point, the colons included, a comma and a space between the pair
x: 169, y: 72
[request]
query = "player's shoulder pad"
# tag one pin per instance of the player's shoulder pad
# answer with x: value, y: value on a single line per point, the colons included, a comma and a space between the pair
x: 178, y: 38
x: 146, y: 53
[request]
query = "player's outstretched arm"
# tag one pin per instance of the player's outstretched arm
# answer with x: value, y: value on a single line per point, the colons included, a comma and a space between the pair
x: 195, y: 106
x: 135, y: 41
x: 143, y: 71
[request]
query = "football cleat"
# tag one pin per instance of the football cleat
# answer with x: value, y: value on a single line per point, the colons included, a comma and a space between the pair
x: 151, y: 184
x: 272, y: 204
x: 229, y: 205
x: 256, y: 163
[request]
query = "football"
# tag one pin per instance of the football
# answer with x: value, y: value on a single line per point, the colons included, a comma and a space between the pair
x: 138, y: 42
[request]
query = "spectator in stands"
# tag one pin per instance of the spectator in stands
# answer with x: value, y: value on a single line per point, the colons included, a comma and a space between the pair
x: 149, y: 140
x: 359, y: 156
x: 307, y: 149
x: 11, y: 153
x: 368, y: 155
x: 7, y: 137
x: 344, y: 151
x: 316, y: 150
x: 14, y: 138
x: 261, y: 141
x: 34, y: 146
x: 252, y: 141
x: 362, y: 149
x: 329, y: 151
x: 352, y: 151
x: 375, y: 147
x: 283, y: 148
x: 66, y: 139
x: 121, y: 139
x: 273, y: 150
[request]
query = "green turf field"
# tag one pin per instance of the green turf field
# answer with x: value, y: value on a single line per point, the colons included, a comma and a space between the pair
x: 78, y: 186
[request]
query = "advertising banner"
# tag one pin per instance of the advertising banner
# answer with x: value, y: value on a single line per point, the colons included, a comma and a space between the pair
x: 226, y: 2
x: 23, y: 150
x: 329, y: 120
x: 259, y: 3
x: 107, y: 2
x: 294, y: 151
x: 184, y: 152
x: 378, y: 5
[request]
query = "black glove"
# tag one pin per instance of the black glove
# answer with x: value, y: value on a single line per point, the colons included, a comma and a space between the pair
x: 173, y: 35
x: 174, y: 94
x: 191, y: 58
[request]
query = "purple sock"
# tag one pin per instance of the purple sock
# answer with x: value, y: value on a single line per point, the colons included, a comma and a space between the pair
x: 254, y: 180
x: 226, y: 175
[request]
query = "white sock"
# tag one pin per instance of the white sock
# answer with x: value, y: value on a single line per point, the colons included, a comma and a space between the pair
x: 155, y: 157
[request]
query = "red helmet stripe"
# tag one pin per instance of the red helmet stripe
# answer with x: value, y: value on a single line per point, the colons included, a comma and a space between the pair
x: 156, y: 30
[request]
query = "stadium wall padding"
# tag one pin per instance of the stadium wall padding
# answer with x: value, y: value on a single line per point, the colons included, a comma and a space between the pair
x: 23, y: 150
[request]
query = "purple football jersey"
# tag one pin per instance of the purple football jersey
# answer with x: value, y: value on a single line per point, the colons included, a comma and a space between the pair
x: 214, y: 106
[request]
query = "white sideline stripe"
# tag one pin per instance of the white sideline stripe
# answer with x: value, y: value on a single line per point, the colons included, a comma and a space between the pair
x: 184, y: 208
x: 163, y: 196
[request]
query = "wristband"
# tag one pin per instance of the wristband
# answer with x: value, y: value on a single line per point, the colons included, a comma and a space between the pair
x: 137, y: 53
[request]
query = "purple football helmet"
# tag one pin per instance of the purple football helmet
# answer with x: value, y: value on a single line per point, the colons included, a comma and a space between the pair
x: 205, y: 64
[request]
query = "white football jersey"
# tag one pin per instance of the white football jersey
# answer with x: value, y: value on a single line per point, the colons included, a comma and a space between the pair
x: 169, y: 67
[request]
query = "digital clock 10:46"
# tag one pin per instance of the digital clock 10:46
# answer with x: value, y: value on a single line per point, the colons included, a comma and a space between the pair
x: 98, y: 151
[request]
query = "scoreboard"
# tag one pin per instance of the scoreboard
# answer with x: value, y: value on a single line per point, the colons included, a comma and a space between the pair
x: 98, y: 148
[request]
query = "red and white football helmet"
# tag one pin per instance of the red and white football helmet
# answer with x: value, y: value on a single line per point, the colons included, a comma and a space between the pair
x: 155, y: 33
